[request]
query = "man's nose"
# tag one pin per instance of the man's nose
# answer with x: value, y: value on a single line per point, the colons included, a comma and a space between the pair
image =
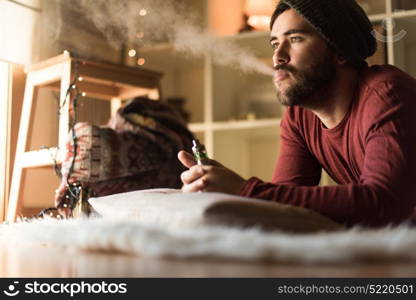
x: 280, y: 55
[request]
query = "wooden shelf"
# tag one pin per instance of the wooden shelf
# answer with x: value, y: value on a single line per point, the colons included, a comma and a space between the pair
x: 246, y: 124
x: 40, y: 158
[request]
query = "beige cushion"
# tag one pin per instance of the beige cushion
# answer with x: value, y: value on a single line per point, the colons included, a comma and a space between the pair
x: 172, y: 207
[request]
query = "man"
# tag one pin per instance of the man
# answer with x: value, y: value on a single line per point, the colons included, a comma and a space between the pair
x: 356, y: 122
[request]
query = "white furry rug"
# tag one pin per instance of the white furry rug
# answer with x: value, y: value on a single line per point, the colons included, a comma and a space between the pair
x: 101, y: 234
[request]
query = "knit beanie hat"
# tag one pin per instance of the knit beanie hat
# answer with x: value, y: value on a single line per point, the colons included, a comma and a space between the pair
x: 342, y: 23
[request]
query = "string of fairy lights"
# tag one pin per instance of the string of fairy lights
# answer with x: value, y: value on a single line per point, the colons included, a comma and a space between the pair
x: 139, y: 35
x: 73, y: 189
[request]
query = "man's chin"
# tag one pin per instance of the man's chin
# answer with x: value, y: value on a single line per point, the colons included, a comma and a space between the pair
x: 283, y: 99
x: 286, y: 102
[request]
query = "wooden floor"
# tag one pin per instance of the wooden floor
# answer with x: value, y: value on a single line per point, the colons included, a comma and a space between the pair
x: 38, y: 261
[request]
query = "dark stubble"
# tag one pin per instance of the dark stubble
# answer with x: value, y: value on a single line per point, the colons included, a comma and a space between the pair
x: 310, y: 84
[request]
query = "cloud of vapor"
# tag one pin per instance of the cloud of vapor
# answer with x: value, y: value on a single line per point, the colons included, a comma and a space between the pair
x: 223, y: 52
x: 162, y: 20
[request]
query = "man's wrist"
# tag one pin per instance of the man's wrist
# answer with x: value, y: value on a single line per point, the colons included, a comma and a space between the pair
x: 245, y: 186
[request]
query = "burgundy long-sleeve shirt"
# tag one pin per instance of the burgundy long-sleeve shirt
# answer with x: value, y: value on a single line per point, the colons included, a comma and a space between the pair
x: 371, y: 154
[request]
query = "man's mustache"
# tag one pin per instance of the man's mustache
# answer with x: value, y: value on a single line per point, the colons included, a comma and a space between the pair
x: 285, y: 68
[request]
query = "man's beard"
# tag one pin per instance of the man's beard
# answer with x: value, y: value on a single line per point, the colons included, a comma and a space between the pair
x: 310, y: 84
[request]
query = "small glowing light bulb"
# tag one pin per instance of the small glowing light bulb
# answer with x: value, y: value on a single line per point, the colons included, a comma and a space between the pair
x: 143, y: 12
x: 80, y: 78
x: 132, y: 52
x: 140, y: 35
x: 141, y: 61
x: 83, y: 94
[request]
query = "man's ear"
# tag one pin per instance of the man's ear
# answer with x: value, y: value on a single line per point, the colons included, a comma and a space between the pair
x: 340, y: 60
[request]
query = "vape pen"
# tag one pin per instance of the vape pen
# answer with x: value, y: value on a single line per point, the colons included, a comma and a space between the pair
x: 200, y: 153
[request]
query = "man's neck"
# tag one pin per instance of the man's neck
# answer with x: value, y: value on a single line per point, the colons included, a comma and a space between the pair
x: 338, y: 98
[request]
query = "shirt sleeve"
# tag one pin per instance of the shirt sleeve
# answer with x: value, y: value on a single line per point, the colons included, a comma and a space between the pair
x: 385, y: 193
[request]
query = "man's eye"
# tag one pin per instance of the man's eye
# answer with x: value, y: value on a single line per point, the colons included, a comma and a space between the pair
x: 275, y: 46
x: 294, y: 39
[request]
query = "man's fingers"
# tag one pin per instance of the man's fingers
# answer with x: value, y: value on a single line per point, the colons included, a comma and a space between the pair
x: 195, y: 186
x: 186, y: 159
x: 194, y: 173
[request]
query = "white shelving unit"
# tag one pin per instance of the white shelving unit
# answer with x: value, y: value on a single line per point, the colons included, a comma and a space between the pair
x: 236, y: 114
x: 398, y: 17
x: 232, y: 112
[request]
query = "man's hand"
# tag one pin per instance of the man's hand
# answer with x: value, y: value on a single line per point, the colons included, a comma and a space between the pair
x: 212, y: 177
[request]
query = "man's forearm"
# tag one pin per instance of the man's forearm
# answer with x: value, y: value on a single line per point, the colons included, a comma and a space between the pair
x: 348, y: 204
